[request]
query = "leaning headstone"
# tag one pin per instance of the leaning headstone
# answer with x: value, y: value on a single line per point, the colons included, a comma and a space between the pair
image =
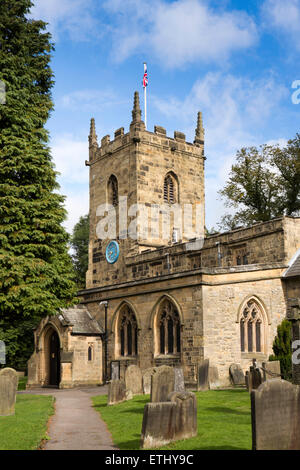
x: 115, y: 370
x: 248, y: 381
x: 236, y: 374
x: 203, y: 376
x: 133, y: 380
x: 271, y: 370
x: 213, y: 377
x: 8, y: 391
x: 147, y: 379
x: 162, y: 384
x: 116, y: 392
x: 179, y: 380
x: 275, y: 415
x: 186, y: 414
x: 159, y: 421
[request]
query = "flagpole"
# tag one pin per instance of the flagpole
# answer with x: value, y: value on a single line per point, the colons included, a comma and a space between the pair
x: 145, y: 101
x: 145, y: 92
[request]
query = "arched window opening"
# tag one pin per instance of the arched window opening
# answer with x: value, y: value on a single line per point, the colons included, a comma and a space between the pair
x: 112, y: 190
x: 169, y: 329
x: 128, y: 336
x: 170, y: 189
x: 252, y: 328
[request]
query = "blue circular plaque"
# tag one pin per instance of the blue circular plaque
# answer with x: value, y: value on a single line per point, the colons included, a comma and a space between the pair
x: 112, y: 252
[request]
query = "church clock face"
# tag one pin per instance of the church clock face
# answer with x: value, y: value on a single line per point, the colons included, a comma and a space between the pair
x: 112, y: 252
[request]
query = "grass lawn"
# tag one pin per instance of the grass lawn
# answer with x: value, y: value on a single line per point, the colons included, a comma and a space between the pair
x: 22, y: 383
x: 26, y: 429
x: 224, y: 421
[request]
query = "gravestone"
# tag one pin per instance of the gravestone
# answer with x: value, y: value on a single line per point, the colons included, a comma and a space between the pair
x: 147, y: 379
x: 116, y: 392
x: 271, y: 370
x: 236, y: 374
x: 213, y: 377
x: 133, y: 380
x: 158, y: 428
x: 256, y: 377
x: 179, y: 380
x: 275, y: 416
x: 203, y: 376
x: 186, y: 414
x: 162, y: 384
x: 115, y: 370
x: 8, y: 391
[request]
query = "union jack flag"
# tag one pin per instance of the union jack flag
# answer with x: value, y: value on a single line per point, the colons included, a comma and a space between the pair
x: 145, y: 77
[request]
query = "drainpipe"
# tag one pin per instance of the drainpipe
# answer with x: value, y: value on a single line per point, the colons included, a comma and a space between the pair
x: 105, y: 303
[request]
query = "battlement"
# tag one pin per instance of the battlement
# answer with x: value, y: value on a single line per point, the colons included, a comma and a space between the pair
x: 139, y: 135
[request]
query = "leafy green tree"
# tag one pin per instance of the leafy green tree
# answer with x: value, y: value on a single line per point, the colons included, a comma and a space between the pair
x: 80, y: 245
x: 282, y: 348
x: 253, y: 189
x: 36, y: 274
x: 287, y: 163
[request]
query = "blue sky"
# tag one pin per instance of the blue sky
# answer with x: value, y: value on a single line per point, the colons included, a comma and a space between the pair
x: 233, y: 60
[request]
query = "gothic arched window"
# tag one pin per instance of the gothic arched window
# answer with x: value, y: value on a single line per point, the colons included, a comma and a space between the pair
x: 252, y: 328
x: 168, y: 329
x: 170, y: 189
x: 112, y: 191
x: 127, y: 333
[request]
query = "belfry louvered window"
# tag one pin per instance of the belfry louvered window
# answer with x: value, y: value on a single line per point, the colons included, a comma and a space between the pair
x: 170, y: 189
x: 112, y: 189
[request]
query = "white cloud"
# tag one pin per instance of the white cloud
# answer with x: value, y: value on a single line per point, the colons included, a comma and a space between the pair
x: 285, y: 17
x: 77, y: 205
x: 72, y: 16
x: 69, y: 155
x: 180, y: 32
x: 234, y: 112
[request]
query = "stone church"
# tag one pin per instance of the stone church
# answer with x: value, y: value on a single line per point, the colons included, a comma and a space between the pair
x: 152, y: 300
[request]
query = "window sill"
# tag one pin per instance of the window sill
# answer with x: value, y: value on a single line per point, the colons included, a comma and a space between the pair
x: 254, y: 355
x: 164, y: 356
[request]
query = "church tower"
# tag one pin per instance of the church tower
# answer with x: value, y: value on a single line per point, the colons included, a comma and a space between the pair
x: 146, y: 192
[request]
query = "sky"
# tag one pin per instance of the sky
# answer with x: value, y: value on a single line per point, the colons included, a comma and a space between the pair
x: 236, y: 61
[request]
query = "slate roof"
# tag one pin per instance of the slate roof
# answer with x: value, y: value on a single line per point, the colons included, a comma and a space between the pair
x: 81, y: 321
x: 294, y: 268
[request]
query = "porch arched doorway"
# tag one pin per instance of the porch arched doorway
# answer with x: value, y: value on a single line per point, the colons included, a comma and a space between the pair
x: 54, y: 359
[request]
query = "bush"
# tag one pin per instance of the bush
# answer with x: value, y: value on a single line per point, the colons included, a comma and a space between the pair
x: 282, y: 348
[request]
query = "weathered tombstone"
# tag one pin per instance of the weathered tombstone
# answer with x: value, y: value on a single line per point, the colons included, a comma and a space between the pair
x: 2, y: 353
x: 256, y: 377
x: 159, y: 421
x: 162, y: 384
x: 133, y: 380
x: 271, y: 370
x: 213, y: 377
x: 248, y: 381
x: 203, y: 377
x: 236, y: 374
x: 147, y: 379
x: 179, y: 380
x: 275, y: 416
x: 115, y: 370
x: 186, y: 414
x: 8, y: 391
x: 116, y: 392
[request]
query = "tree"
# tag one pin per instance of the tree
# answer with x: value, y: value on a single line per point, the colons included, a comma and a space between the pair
x: 80, y: 245
x: 282, y: 348
x: 36, y: 274
x: 252, y: 188
x: 263, y: 184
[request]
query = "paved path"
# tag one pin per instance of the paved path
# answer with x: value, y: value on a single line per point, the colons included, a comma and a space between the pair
x: 76, y: 425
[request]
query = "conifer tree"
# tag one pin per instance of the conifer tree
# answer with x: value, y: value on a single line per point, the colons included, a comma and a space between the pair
x: 282, y: 348
x: 80, y: 245
x: 36, y: 275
